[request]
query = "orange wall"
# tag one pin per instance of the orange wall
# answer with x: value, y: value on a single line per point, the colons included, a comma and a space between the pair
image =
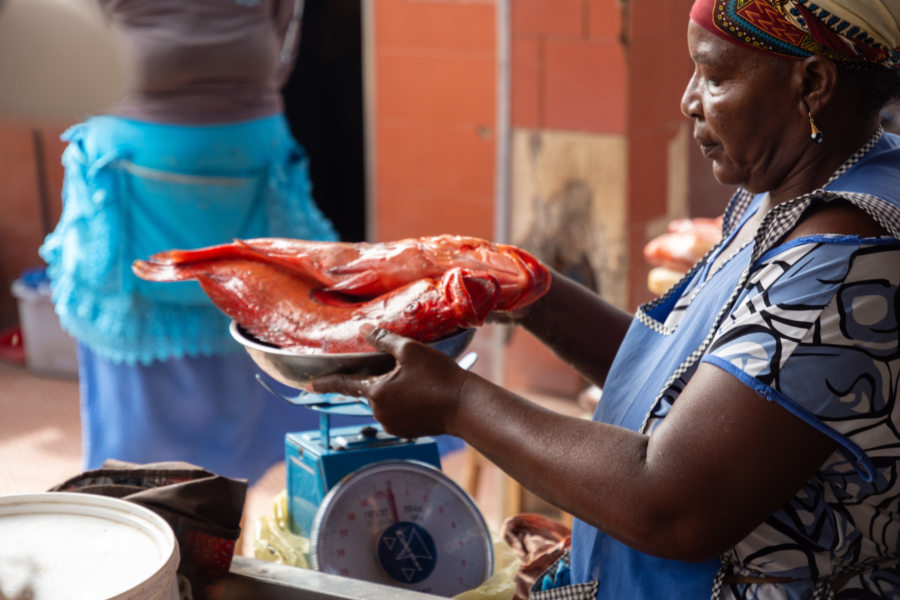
x: 434, y: 118
x: 658, y: 69
x: 568, y: 67
x: 435, y: 100
x: 608, y: 67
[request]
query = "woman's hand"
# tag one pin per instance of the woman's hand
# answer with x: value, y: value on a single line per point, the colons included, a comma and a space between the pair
x: 418, y: 397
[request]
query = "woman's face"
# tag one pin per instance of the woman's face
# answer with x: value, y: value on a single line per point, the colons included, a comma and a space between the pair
x: 746, y: 113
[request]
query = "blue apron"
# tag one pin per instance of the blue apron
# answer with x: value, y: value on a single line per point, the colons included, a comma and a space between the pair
x: 648, y: 356
x: 132, y: 189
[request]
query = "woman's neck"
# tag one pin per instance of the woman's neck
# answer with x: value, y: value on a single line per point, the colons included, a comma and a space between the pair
x: 819, y: 163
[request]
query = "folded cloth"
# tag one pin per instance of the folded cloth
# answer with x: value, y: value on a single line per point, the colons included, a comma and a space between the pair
x: 538, y: 542
x: 203, y: 509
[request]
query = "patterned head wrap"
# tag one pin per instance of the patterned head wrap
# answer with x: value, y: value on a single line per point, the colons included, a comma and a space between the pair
x: 851, y: 32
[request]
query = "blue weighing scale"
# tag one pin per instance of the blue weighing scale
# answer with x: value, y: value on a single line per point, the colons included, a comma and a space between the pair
x: 377, y: 507
x: 317, y: 460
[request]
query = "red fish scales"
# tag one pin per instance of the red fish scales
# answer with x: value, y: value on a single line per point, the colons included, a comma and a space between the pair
x: 277, y: 306
x: 366, y: 270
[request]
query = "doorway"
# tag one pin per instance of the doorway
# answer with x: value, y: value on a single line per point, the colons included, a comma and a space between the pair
x: 324, y: 107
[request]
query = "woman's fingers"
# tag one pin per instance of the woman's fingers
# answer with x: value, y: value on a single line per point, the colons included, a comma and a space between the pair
x: 348, y: 385
x: 383, y: 339
x: 413, y: 398
x: 356, y: 385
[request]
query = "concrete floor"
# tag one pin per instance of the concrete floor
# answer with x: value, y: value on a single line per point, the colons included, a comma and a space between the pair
x: 40, y: 446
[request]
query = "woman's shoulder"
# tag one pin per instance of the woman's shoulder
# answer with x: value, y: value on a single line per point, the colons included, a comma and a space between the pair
x: 838, y: 217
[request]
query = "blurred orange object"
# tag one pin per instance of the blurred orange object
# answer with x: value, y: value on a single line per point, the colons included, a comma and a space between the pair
x: 674, y: 253
x: 684, y: 243
x: 660, y: 279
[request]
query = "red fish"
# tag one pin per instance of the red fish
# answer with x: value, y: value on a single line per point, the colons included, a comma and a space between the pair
x: 278, y: 306
x: 367, y: 270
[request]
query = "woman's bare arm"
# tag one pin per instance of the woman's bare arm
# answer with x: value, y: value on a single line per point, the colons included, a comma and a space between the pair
x: 581, y: 328
x: 720, y: 463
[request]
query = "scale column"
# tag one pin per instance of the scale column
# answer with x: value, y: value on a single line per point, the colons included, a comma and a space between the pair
x: 324, y: 430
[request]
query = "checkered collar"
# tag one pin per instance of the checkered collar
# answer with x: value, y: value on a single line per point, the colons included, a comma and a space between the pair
x: 782, y: 218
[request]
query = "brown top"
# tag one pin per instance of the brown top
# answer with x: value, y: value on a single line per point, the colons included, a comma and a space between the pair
x: 206, y: 61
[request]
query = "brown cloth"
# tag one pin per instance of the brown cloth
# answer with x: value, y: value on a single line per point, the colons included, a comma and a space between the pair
x: 538, y: 542
x: 203, y: 509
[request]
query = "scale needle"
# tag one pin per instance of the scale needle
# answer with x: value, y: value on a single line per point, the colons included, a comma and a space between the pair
x: 390, y: 495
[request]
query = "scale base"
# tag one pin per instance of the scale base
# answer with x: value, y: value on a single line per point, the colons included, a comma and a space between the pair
x: 312, y: 469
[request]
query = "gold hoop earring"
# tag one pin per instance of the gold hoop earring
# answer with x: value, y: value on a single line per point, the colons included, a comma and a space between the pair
x: 815, y: 133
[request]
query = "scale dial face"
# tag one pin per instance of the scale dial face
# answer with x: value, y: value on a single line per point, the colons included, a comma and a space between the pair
x: 402, y: 523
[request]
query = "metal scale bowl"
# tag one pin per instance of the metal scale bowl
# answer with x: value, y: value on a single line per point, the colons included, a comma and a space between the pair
x: 374, y: 506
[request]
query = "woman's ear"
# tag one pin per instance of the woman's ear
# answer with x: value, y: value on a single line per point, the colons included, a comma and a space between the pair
x: 818, y: 80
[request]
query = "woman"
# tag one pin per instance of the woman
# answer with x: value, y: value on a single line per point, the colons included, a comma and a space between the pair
x: 197, y: 153
x: 744, y: 445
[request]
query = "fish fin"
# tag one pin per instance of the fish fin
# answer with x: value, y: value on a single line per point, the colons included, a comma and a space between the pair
x: 153, y: 271
x: 298, y: 264
x: 219, y: 252
x: 251, y: 251
x: 366, y: 284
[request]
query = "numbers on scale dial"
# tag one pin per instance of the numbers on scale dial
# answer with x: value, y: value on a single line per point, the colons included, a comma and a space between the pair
x: 404, y: 523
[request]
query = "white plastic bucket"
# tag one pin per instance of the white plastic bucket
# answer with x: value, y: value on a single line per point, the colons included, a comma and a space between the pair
x: 85, y: 547
x: 48, y: 349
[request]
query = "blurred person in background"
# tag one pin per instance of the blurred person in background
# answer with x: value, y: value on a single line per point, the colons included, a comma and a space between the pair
x: 198, y: 152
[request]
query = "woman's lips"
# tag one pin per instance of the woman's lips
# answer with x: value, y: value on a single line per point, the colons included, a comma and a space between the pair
x: 708, y: 148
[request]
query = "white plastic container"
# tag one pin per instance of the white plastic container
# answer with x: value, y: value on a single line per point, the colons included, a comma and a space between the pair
x: 85, y: 547
x: 48, y: 349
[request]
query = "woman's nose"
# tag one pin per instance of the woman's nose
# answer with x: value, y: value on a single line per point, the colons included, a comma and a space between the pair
x: 690, y: 100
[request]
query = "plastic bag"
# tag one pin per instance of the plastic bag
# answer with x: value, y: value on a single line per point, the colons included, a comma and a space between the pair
x: 502, y: 584
x: 275, y: 542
